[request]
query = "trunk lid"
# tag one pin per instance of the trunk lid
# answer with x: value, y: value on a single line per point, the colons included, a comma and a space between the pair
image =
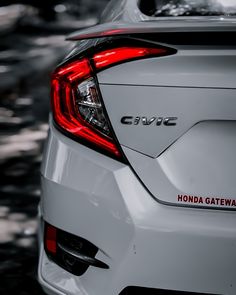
x: 190, y: 162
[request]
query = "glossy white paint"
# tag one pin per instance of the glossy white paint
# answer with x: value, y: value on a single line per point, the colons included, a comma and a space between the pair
x: 204, y: 68
x: 124, y: 17
x: 144, y: 243
x: 123, y: 28
x: 201, y: 163
x: 189, y: 105
x: 193, y: 86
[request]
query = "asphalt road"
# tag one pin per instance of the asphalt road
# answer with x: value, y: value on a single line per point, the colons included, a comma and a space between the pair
x: 27, y: 56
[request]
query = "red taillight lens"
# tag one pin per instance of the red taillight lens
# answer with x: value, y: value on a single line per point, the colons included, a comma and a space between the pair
x: 50, y: 239
x: 117, y: 55
x: 77, y: 106
x: 76, y: 100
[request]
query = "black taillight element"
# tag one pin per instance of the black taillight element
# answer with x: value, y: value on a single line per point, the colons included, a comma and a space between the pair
x: 150, y: 291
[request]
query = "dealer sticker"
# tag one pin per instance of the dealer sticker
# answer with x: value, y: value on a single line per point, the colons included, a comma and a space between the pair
x: 212, y: 201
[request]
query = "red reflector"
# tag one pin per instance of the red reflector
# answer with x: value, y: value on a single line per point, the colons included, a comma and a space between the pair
x: 51, y: 239
x: 117, y: 55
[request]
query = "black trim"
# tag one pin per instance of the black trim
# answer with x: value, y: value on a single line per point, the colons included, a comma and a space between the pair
x: 74, y: 254
x: 82, y: 257
x: 149, y: 291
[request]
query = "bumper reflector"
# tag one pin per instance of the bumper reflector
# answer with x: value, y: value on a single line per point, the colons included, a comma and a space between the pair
x: 51, y: 239
x: 72, y: 253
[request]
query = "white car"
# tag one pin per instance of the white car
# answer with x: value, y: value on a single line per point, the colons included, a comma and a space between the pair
x: 139, y: 169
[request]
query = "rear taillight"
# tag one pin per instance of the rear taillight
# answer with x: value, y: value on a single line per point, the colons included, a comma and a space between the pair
x: 76, y: 100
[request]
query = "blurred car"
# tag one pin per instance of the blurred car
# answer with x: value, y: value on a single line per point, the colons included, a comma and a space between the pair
x: 138, y: 174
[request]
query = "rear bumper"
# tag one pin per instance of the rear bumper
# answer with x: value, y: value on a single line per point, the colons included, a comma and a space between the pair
x: 145, y: 243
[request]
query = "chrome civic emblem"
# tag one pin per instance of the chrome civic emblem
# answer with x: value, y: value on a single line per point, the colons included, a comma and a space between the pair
x: 145, y: 121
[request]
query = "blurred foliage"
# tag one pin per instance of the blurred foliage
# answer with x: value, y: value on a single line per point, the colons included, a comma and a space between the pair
x: 48, y: 9
x: 32, y: 43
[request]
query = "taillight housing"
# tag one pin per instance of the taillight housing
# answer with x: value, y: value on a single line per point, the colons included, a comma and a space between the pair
x: 77, y: 103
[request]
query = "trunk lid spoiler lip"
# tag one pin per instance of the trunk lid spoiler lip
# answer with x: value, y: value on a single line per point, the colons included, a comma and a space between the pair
x: 160, y: 26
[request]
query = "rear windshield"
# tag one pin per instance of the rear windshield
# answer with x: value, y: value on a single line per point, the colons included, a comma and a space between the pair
x: 177, y: 8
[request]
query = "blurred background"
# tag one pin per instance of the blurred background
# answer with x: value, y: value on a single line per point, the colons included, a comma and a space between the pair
x: 32, y: 42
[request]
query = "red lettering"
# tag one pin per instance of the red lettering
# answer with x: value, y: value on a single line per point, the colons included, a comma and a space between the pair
x: 185, y: 198
x: 190, y: 199
x: 233, y: 203
x: 222, y: 202
x: 217, y: 201
x: 212, y: 201
x: 180, y: 198
x: 207, y: 200
x: 195, y: 200
x: 228, y: 202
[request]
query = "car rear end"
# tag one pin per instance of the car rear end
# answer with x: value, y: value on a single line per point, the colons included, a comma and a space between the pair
x: 138, y: 177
